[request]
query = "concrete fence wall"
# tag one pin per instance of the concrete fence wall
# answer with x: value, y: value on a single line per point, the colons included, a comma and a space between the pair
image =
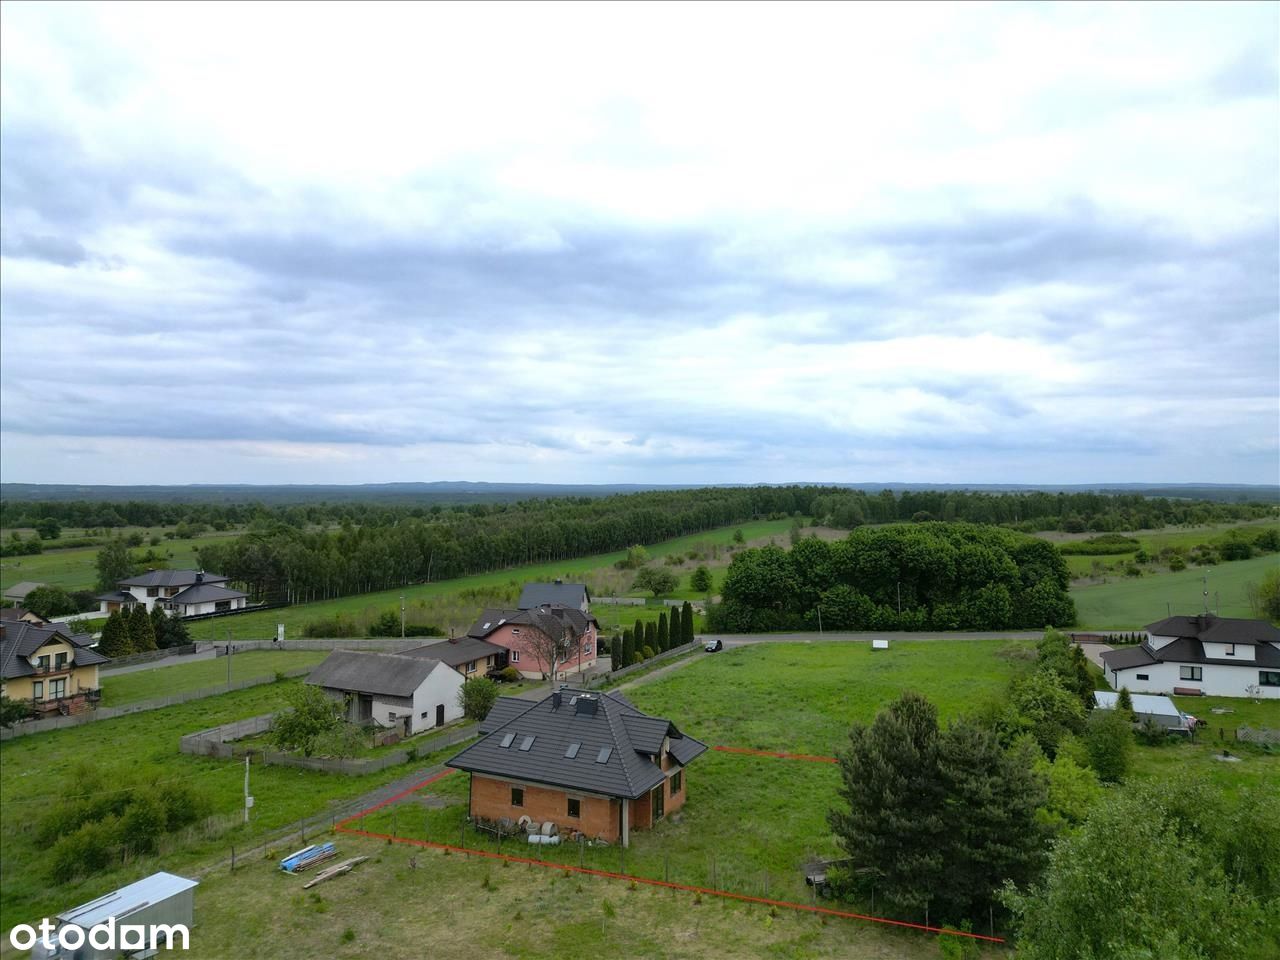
x: 219, y: 742
x: 383, y: 644
x: 148, y: 657
x: 109, y: 713
x: 620, y: 601
x: 671, y: 654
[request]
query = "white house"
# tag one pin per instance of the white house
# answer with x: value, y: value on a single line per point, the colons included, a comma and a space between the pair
x: 1202, y: 655
x: 184, y: 592
x: 390, y: 690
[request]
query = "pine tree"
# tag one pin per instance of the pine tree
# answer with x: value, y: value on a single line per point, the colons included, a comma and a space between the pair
x: 628, y: 647
x: 615, y: 653
x: 663, y: 639
x: 650, y: 635
x: 686, y: 623
x: 115, y: 636
x: 159, y: 625
x: 1124, y: 703
x: 142, y: 636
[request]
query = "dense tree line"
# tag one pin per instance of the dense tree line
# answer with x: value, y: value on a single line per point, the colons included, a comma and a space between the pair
x: 393, y: 549
x: 1030, y: 511
x: 931, y: 576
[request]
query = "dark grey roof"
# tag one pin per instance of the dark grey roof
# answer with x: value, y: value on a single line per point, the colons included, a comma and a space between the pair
x: 456, y: 652
x: 503, y: 711
x: 172, y: 578
x: 388, y: 674
x: 1186, y: 650
x: 205, y: 593
x: 117, y: 596
x: 595, y: 721
x: 19, y: 640
x: 551, y: 620
x: 19, y: 613
x: 547, y: 594
x: 20, y: 590
x: 1214, y: 629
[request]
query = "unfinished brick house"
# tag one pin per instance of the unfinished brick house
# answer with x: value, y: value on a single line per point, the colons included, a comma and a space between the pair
x: 588, y: 762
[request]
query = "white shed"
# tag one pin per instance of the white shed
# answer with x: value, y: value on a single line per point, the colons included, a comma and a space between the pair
x: 1160, y: 709
x: 138, y: 921
x: 390, y: 690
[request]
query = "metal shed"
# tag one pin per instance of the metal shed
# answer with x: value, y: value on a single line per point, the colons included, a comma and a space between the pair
x: 162, y: 898
x: 1160, y: 709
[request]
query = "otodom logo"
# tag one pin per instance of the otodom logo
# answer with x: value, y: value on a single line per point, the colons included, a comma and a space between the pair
x: 108, y: 935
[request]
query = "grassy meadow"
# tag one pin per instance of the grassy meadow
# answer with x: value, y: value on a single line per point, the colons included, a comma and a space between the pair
x: 119, y: 689
x: 1130, y: 603
x: 1153, y: 542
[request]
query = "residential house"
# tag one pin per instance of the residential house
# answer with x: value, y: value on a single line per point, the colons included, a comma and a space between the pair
x: 390, y: 690
x: 589, y: 762
x: 18, y: 592
x: 1202, y: 655
x: 21, y: 613
x: 555, y: 594
x: 469, y: 656
x: 187, y: 593
x: 48, y: 666
x: 519, y: 632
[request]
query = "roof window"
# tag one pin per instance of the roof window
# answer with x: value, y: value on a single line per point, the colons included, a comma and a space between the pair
x: 526, y: 743
x: 604, y: 754
x: 506, y: 740
x: 572, y: 750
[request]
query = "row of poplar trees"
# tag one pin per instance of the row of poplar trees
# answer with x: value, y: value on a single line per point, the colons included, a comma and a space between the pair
x: 652, y: 638
x: 136, y: 631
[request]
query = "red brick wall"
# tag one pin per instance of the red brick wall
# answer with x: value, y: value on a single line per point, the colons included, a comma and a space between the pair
x: 491, y: 798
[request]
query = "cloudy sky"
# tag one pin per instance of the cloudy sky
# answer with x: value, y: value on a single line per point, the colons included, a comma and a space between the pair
x: 724, y: 243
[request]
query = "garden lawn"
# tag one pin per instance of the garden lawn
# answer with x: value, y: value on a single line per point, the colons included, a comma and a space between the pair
x: 1130, y: 603
x: 405, y: 902
x: 36, y: 770
x: 263, y: 625
x: 118, y: 689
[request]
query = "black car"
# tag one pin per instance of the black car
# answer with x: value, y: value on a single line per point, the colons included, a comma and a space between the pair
x: 714, y: 646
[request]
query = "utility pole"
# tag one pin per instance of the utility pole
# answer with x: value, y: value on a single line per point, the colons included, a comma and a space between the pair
x: 248, y: 800
x: 819, y: 619
x: 1205, y: 580
x: 899, y: 599
x: 402, y: 616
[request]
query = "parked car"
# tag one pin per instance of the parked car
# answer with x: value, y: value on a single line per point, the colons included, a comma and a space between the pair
x: 714, y: 646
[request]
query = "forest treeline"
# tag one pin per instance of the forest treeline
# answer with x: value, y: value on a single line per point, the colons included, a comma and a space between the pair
x: 1028, y: 511
x: 926, y: 576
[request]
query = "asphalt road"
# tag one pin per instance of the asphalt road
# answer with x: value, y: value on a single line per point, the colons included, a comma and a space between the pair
x: 742, y: 639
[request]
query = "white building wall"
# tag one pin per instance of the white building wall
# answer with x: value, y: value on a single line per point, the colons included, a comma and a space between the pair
x: 1219, y: 680
x: 384, y: 707
x: 440, y: 687
x: 1239, y: 651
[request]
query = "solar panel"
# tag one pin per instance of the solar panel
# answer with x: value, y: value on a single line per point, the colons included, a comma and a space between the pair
x: 506, y: 740
x: 526, y: 743
x: 572, y: 750
x: 603, y: 755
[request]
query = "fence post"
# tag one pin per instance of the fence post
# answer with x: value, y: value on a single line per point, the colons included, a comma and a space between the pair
x: 233, y: 858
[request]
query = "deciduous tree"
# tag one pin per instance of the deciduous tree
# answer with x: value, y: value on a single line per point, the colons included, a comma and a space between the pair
x: 476, y: 697
x: 113, y: 564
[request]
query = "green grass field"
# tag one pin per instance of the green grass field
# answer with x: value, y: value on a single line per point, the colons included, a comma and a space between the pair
x: 75, y: 569
x: 201, y: 674
x: 262, y: 625
x: 143, y: 748
x: 405, y: 903
x: 1155, y: 541
x: 1129, y: 604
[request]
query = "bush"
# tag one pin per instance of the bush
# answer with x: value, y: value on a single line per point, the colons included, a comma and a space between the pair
x: 86, y: 851
x: 477, y: 697
x: 1176, y: 563
x: 1109, y: 740
x: 646, y: 653
x: 344, y: 740
x: 700, y: 580
x: 509, y: 675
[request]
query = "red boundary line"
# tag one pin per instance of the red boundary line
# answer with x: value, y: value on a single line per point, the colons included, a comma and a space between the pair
x: 342, y: 827
x: 780, y: 756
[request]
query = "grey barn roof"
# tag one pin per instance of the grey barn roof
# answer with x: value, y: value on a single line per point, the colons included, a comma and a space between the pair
x: 1214, y: 629
x: 596, y: 722
x: 456, y: 652
x: 388, y: 674
x: 20, y: 590
x: 544, y: 594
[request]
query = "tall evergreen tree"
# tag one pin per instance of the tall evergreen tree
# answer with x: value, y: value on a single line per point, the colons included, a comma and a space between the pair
x: 686, y: 623
x: 628, y: 647
x: 650, y: 635
x: 615, y: 653
x: 115, y: 636
x: 142, y: 636
x: 663, y: 639
x: 159, y: 625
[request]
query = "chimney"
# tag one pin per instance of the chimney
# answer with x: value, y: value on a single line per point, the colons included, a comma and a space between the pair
x: 200, y: 577
x: 586, y: 705
x: 555, y: 700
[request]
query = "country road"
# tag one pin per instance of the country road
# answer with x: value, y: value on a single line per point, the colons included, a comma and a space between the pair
x: 743, y: 639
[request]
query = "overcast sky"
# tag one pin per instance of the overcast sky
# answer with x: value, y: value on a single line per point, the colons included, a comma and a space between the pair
x: 725, y: 243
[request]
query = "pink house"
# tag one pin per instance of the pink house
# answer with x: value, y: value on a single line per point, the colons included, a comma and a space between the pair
x: 514, y: 629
